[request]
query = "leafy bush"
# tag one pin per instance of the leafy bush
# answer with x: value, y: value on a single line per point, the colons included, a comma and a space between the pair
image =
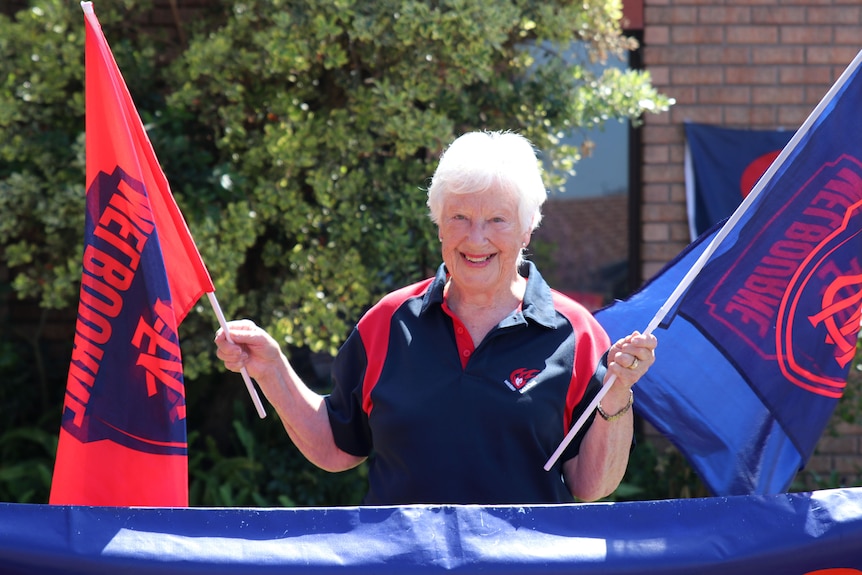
x: 27, y: 446
x: 263, y: 468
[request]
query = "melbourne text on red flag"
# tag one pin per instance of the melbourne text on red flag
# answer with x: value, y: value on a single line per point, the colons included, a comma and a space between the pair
x: 123, y: 434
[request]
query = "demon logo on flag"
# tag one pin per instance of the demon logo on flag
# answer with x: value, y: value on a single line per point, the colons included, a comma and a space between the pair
x: 795, y: 280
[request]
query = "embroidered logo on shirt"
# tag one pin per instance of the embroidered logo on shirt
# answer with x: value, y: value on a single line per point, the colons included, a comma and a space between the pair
x: 522, y: 379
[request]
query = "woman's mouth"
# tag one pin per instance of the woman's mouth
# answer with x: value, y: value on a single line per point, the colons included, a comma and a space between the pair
x: 477, y: 259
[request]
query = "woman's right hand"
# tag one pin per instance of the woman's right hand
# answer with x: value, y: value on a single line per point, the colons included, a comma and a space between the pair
x: 251, y: 347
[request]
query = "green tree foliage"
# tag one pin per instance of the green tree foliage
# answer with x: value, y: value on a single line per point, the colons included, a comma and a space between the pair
x: 41, y: 178
x: 298, y: 137
x: 330, y: 118
x: 42, y: 143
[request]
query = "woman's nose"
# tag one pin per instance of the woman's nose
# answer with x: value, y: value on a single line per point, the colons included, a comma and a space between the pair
x: 477, y: 232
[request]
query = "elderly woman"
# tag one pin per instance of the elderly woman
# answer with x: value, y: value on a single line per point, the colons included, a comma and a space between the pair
x: 460, y: 387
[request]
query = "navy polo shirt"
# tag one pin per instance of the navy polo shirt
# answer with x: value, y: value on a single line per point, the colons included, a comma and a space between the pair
x: 442, y: 422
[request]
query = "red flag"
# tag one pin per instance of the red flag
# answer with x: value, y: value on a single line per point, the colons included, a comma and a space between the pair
x: 123, y: 435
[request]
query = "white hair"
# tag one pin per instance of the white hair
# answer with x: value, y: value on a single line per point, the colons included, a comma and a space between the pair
x: 477, y: 161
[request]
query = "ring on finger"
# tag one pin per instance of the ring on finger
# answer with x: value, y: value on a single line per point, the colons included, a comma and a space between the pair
x: 635, y: 363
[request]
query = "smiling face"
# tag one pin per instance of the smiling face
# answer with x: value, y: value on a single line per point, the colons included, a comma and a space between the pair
x: 482, y: 237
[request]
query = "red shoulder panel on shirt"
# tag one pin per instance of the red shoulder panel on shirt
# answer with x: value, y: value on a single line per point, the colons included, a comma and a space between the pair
x: 374, y: 330
x: 591, y: 342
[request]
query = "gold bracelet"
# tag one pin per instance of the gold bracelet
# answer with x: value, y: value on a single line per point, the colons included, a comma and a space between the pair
x: 621, y: 412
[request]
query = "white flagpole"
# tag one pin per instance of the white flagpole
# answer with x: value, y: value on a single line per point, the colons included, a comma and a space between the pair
x: 255, y: 398
x: 713, y: 245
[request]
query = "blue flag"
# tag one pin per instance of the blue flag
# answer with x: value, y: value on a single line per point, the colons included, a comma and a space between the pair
x: 754, y: 356
x: 722, y: 165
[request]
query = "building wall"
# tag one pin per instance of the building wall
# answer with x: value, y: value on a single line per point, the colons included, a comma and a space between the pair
x: 760, y: 64
x: 580, y: 246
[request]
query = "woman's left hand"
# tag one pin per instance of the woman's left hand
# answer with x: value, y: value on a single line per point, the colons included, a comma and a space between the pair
x: 631, y: 357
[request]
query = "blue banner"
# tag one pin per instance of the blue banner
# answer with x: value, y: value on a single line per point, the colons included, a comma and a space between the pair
x: 722, y: 166
x: 754, y: 358
x: 791, y: 534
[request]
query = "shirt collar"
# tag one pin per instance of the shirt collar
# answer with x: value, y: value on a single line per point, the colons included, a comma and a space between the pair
x: 538, y: 303
x: 434, y: 293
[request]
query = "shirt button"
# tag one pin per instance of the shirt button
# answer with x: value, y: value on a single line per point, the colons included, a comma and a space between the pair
x: 460, y: 331
x: 466, y: 353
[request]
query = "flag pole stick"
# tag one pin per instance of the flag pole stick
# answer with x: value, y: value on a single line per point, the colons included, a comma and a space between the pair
x: 255, y: 398
x: 713, y: 245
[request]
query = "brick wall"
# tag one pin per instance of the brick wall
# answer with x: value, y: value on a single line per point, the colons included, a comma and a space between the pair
x: 745, y: 64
